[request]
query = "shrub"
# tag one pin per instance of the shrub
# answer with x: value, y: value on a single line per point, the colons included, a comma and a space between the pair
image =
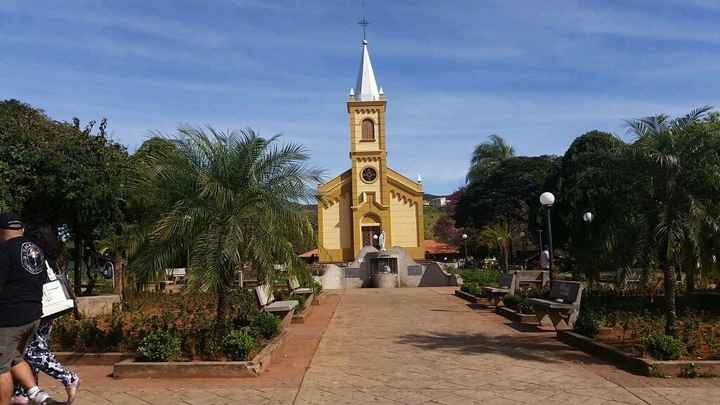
x: 511, y: 301
x: 239, y: 344
x: 317, y: 287
x: 160, y: 346
x: 588, y: 323
x: 690, y: 371
x: 267, y: 325
x: 473, y: 288
x: 524, y: 307
x: 663, y: 347
x: 480, y: 277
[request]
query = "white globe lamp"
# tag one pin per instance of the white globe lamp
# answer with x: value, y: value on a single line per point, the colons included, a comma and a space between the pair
x: 547, y: 199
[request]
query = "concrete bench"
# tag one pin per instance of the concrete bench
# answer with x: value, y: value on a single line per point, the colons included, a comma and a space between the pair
x: 295, y: 288
x: 510, y: 283
x: 507, y: 286
x: 267, y: 300
x: 563, y: 304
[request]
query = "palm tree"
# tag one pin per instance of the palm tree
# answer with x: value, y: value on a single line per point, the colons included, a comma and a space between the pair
x: 680, y: 169
x: 498, y: 236
x: 487, y: 156
x: 222, y: 200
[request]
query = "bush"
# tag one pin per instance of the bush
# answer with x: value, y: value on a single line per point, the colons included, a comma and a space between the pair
x: 317, y: 287
x: 480, y: 277
x: 524, y: 307
x: 663, y: 347
x: 267, y: 325
x: 473, y: 288
x: 160, y: 346
x: 588, y: 323
x: 239, y: 344
x: 511, y: 301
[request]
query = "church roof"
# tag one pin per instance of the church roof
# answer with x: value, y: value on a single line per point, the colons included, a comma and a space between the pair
x: 366, y: 88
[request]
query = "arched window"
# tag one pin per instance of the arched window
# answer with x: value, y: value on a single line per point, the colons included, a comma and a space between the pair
x: 368, y: 130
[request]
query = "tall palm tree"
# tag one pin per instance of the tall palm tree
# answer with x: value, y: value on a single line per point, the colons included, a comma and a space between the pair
x: 498, y: 236
x: 222, y: 200
x: 487, y: 156
x: 681, y: 170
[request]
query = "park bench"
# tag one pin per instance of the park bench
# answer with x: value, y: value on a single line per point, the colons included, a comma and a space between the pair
x: 267, y: 300
x: 295, y: 288
x: 512, y: 282
x: 562, y: 305
x: 507, y: 286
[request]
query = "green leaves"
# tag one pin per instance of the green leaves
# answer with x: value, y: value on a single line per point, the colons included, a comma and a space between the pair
x: 217, y: 201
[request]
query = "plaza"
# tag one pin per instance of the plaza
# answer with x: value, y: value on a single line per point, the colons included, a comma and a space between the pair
x: 412, y: 346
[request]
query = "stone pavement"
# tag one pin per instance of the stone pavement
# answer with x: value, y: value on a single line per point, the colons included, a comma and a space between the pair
x: 413, y: 346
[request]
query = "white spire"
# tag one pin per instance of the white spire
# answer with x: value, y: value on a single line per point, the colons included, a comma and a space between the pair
x: 366, y: 88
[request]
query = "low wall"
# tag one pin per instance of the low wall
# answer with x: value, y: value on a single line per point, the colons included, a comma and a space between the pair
x: 90, y: 307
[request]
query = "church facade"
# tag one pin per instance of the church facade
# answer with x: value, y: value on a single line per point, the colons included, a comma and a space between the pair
x: 369, y: 203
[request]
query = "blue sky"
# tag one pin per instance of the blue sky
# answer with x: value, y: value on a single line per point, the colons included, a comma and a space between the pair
x: 539, y: 73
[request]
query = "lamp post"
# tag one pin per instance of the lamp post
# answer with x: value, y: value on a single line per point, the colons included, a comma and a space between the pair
x: 547, y: 199
x: 464, y: 236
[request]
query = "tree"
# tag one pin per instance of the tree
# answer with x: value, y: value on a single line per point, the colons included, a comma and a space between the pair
x: 506, y: 195
x: 498, y: 236
x: 681, y: 162
x: 223, y: 200
x: 61, y: 177
x: 487, y: 156
x: 594, y: 177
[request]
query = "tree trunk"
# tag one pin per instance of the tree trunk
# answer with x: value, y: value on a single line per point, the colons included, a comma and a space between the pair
x: 507, y: 260
x: 220, y: 313
x: 118, y: 278
x: 78, y: 258
x: 670, y: 309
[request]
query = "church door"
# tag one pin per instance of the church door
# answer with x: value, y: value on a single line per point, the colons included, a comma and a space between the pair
x: 367, y: 236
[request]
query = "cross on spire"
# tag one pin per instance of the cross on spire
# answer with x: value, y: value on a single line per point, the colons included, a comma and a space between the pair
x: 364, y: 23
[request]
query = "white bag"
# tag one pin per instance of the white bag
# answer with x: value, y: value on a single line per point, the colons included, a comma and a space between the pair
x: 56, y: 299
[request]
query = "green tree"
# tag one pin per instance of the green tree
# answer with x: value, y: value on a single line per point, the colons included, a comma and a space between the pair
x: 59, y: 176
x: 681, y: 162
x: 498, y: 236
x: 223, y: 199
x: 487, y: 156
x: 593, y: 177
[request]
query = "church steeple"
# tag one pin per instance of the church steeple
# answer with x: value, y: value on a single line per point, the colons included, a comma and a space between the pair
x: 366, y: 88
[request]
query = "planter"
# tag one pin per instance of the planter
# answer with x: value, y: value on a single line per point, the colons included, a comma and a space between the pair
x: 202, y: 369
x: 92, y: 359
x: 643, y: 366
x: 469, y: 297
x: 515, y: 316
x: 305, y: 312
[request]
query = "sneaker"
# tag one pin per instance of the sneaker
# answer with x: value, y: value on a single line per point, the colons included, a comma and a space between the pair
x: 19, y: 400
x: 72, y: 391
x: 41, y: 398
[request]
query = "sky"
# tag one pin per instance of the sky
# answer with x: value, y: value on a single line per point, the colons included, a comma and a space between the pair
x: 539, y: 73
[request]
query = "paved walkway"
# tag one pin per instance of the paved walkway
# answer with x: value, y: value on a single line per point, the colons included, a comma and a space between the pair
x: 416, y: 346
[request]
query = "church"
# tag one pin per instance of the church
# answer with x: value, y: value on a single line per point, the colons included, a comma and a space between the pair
x: 369, y: 204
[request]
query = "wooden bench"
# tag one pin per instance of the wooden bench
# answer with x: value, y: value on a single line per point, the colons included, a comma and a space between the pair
x: 267, y: 300
x: 563, y: 304
x: 295, y: 288
x: 507, y: 286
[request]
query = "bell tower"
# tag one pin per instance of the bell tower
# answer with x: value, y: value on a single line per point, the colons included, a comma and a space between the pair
x: 370, y: 198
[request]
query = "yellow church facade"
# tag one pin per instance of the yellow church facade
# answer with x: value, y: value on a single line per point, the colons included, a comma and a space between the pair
x: 369, y: 203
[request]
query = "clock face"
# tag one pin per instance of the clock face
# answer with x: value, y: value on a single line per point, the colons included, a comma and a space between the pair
x: 369, y: 174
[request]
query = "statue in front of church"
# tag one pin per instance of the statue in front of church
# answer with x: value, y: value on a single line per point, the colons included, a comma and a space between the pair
x: 381, y: 240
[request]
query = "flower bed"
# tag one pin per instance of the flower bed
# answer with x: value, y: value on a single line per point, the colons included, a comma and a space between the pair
x: 473, y: 282
x: 635, y: 328
x: 162, y: 327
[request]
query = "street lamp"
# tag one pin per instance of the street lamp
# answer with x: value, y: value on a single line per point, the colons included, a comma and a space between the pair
x: 547, y: 199
x: 588, y: 217
x: 464, y: 236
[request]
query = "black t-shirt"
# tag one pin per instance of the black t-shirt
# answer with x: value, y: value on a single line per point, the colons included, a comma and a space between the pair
x: 22, y: 275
